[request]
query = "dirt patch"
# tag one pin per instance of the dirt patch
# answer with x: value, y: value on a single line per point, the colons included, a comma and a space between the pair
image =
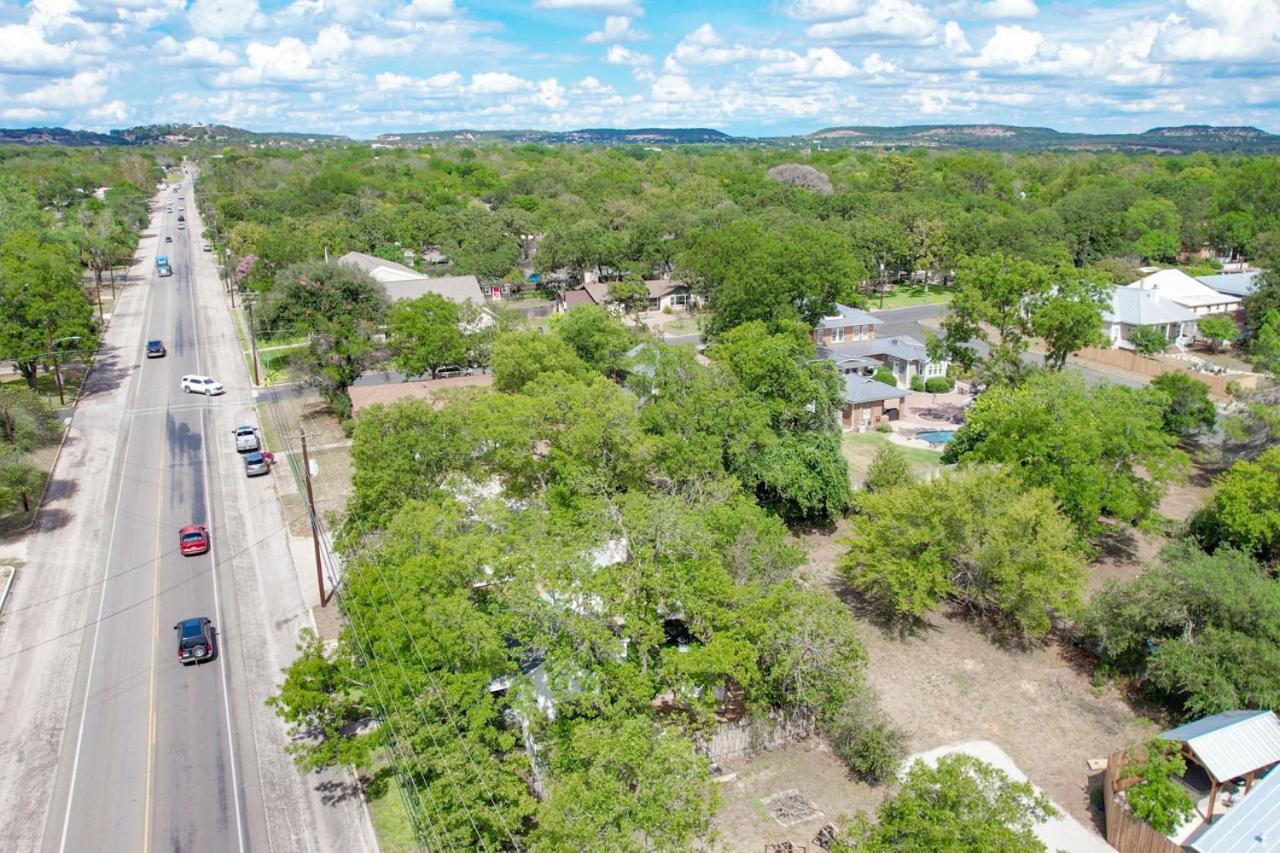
x: 805, y: 782
x: 1123, y: 553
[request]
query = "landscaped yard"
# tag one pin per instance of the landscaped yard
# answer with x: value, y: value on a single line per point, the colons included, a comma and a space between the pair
x: 905, y: 297
x: 860, y: 448
x: 391, y: 822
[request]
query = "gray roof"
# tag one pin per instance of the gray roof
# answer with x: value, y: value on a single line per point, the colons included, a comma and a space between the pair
x: 1232, y: 283
x: 846, y: 316
x: 1135, y: 307
x: 400, y: 282
x: 904, y: 347
x: 864, y: 389
x: 1252, y: 825
x: 1232, y: 743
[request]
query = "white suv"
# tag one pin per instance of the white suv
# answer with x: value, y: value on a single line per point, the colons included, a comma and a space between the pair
x: 201, y: 385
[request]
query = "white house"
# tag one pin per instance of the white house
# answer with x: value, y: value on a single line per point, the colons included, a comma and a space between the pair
x: 848, y: 338
x: 399, y: 282
x: 1132, y: 307
x: 1196, y: 296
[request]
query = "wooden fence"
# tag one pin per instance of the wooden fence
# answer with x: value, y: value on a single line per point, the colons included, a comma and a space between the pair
x: 1141, y: 364
x: 754, y: 734
x: 1125, y: 832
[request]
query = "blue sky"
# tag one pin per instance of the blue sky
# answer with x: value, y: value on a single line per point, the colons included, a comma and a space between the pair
x: 364, y: 67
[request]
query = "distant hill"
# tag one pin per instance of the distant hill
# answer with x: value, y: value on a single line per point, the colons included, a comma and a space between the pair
x: 1000, y: 137
x: 588, y: 136
x: 991, y: 137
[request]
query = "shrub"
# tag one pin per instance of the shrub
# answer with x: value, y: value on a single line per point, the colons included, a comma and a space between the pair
x: 886, y: 376
x: 1148, y: 340
x: 883, y: 428
x: 917, y: 382
x: 1189, y: 410
x: 889, y: 468
x: 939, y: 384
x: 1155, y: 798
x: 666, y: 309
x: 865, y: 740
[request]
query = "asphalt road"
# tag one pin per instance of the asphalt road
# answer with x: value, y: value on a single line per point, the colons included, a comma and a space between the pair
x: 149, y: 760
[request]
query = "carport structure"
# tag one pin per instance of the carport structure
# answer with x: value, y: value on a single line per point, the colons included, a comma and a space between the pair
x: 1230, y: 745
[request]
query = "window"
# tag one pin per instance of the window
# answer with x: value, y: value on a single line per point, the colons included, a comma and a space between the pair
x: 837, y: 335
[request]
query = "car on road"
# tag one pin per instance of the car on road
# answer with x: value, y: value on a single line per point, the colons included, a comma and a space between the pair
x: 257, y: 463
x: 246, y: 438
x: 182, y: 226
x: 155, y: 349
x: 193, y: 540
x: 197, y: 642
x: 206, y: 248
x: 207, y: 385
x: 168, y: 238
x: 449, y: 371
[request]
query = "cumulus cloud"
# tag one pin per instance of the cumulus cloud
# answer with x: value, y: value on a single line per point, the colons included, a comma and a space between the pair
x: 288, y: 62
x: 819, y: 63
x: 954, y: 39
x: 616, y: 28
x: 877, y: 66
x: 112, y: 111
x: 877, y: 20
x: 1224, y: 31
x: 672, y: 87
x: 24, y: 48
x: 704, y: 46
x: 604, y: 7
x: 497, y: 83
x: 427, y: 10
x: 1011, y: 45
x: 218, y: 18
x: 1003, y: 9
x: 85, y: 89
x: 198, y: 52
x: 619, y: 55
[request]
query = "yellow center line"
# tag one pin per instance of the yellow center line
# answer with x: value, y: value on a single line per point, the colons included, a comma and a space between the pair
x: 151, y: 688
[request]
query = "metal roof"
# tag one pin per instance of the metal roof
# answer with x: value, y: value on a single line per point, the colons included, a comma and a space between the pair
x: 1232, y: 743
x: 1135, y: 307
x: 1234, y: 283
x: 1252, y: 825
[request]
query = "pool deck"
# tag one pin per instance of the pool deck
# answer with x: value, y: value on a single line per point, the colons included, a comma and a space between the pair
x: 911, y: 423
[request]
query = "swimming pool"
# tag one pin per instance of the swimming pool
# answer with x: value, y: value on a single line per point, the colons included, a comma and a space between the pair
x: 941, y: 436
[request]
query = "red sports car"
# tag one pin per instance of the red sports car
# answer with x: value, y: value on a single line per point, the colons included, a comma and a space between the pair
x: 193, y: 539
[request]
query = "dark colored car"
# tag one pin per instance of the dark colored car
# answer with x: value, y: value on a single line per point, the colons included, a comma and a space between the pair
x: 168, y: 238
x: 155, y: 349
x: 193, y: 539
x: 197, y: 642
x: 256, y: 462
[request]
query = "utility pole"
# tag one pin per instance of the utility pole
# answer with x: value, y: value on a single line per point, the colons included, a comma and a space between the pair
x: 98, y: 289
x: 311, y: 511
x: 57, y: 373
x: 253, y: 340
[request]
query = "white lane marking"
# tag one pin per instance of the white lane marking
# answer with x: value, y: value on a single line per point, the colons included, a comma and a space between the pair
x: 97, y: 629
x: 217, y: 600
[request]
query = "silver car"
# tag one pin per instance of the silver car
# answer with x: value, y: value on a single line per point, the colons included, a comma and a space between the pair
x: 256, y: 463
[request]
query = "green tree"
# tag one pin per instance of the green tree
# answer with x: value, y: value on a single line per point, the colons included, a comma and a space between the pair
x: 595, y: 335
x: 20, y: 481
x: 631, y: 293
x: 1069, y: 317
x: 1265, y: 346
x: 26, y: 420
x: 889, y: 469
x: 1244, y: 510
x: 626, y: 785
x: 979, y: 537
x: 424, y: 334
x: 990, y: 305
x: 42, y: 305
x: 1155, y: 797
x: 960, y: 804
x: 1218, y: 329
x: 1189, y: 411
x: 1101, y: 450
x: 1202, y: 631
x: 1153, y: 224
x: 804, y: 477
x: 1149, y: 340
x: 520, y: 357
x: 318, y: 296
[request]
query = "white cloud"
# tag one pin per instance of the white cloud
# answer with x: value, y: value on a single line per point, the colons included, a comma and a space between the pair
x: 604, y: 7
x: 24, y: 114
x: 825, y: 10
x: 954, y: 38
x: 551, y: 94
x: 218, y: 18
x: 1000, y: 9
x: 427, y: 10
x: 389, y: 82
x: 1010, y: 45
x: 672, y: 87
x: 704, y: 46
x: 616, y: 28
x: 497, y: 83
x: 897, y: 20
x: 818, y: 63
x: 619, y: 55
x: 112, y: 111
x: 24, y: 48
x: 287, y: 62
x: 1236, y: 31
x: 198, y: 52
x: 941, y: 100
x: 85, y: 89
x: 876, y: 66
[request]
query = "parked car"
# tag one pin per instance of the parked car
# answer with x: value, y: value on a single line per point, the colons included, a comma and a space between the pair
x: 155, y: 349
x: 193, y: 540
x: 257, y: 463
x: 197, y: 640
x: 168, y: 238
x: 181, y: 218
x: 206, y: 385
x: 449, y: 371
x: 206, y: 248
x: 246, y: 438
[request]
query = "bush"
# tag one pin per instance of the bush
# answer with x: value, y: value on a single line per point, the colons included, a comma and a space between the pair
x: 917, y: 382
x: 1156, y: 799
x: 666, y: 309
x: 889, y: 468
x: 884, y: 428
x: 886, y: 376
x: 939, y: 384
x: 872, y: 748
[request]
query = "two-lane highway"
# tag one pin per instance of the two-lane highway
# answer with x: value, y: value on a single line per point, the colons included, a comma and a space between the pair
x: 150, y: 761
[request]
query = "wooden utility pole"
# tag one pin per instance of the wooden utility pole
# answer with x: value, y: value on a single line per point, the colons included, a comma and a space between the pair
x: 57, y: 372
x: 311, y: 512
x: 253, y: 340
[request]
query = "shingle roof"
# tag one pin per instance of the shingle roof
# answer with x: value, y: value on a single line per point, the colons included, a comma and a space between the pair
x: 846, y: 316
x: 1232, y: 743
x: 904, y: 347
x: 574, y: 298
x: 1177, y: 286
x: 660, y: 287
x: 400, y: 282
x: 864, y: 389
x: 1135, y: 307
x: 1233, y: 283
x: 1252, y: 825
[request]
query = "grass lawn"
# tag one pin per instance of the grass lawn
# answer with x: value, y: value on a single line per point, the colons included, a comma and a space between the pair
x: 860, y: 448
x: 905, y: 297
x: 278, y: 364
x: 47, y: 385
x: 391, y: 822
